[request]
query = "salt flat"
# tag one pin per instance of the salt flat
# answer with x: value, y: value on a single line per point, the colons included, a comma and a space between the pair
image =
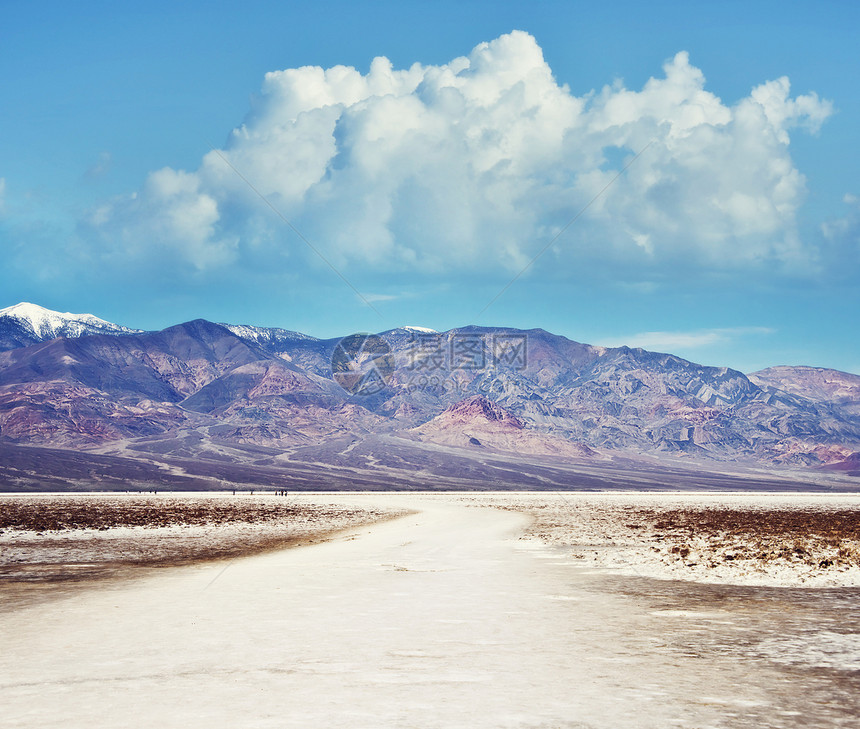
x: 443, y: 618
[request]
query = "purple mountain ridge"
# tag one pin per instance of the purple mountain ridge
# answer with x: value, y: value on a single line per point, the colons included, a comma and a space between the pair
x: 206, y: 394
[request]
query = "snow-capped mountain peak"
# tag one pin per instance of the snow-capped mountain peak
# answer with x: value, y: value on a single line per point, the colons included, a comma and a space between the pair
x: 44, y: 324
x: 267, y: 334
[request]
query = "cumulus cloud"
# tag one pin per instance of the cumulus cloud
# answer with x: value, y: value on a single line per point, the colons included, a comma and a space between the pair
x: 480, y: 162
x: 172, y: 214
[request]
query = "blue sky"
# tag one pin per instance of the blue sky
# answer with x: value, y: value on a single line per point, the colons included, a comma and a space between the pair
x: 732, y: 240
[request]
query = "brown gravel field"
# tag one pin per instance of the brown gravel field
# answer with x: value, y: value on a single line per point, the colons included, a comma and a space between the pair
x: 731, y: 538
x: 49, y: 538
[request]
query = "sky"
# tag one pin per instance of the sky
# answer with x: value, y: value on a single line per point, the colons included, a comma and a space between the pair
x: 672, y: 175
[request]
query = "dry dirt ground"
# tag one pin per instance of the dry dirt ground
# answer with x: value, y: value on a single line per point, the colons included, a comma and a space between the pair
x: 791, y: 540
x: 52, y: 538
x: 764, y: 539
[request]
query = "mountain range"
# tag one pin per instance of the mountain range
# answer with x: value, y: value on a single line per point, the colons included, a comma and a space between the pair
x: 25, y: 324
x: 202, y: 405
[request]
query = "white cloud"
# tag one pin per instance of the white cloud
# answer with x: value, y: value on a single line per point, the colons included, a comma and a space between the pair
x: 479, y: 162
x: 842, y: 237
x: 670, y: 341
x: 377, y: 298
x: 782, y: 112
x: 100, y: 168
x: 172, y: 214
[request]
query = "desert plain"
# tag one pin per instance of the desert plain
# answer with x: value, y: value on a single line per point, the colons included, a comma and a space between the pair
x: 430, y: 610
